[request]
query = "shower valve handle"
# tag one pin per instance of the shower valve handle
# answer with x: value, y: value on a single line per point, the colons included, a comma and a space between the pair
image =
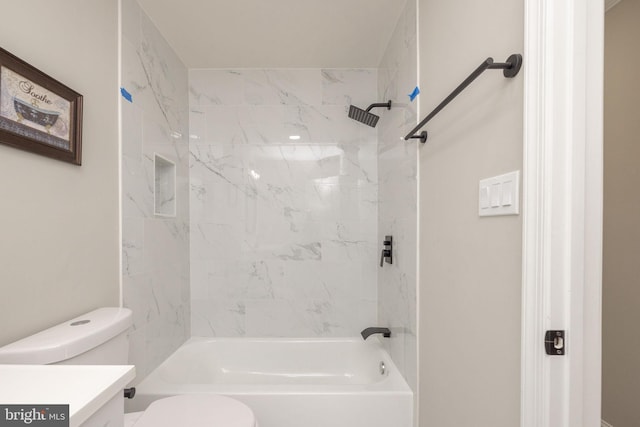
x: 386, y: 254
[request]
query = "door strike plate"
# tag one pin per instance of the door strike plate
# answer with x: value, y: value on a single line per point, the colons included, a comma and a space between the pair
x: 555, y: 343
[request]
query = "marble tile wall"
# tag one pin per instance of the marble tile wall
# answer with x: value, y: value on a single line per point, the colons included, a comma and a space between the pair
x: 397, y: 212
x: 155, y: 248
x: 283, y: 232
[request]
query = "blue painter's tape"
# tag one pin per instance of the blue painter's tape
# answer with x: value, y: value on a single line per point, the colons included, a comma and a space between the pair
x: 126, y: 95
x: 415, y: 93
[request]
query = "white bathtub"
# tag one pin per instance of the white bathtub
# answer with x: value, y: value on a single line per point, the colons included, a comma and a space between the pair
x: 289, y: 382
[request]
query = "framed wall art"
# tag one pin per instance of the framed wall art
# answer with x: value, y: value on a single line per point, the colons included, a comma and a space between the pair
x: 38, y: 113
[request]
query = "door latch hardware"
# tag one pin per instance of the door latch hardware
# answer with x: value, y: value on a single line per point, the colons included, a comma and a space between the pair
x: 555, y: 343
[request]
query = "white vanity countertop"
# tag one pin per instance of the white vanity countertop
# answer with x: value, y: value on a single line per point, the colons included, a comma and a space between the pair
x: 86, y: 388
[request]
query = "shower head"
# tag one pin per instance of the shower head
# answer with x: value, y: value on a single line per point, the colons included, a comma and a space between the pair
x: 364, y: 116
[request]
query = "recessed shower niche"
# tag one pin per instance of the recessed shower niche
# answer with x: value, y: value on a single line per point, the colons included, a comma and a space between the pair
x: 164, y: 191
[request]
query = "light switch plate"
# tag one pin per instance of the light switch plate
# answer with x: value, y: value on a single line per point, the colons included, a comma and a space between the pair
x: 499, y: 195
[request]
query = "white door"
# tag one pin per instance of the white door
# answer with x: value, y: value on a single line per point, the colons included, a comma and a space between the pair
x: 562, y: 208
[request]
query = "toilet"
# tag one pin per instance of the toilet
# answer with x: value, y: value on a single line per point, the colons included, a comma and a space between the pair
x: 100, y: 338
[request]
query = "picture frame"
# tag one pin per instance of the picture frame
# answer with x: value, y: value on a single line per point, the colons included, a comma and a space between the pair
x: 38, y: 113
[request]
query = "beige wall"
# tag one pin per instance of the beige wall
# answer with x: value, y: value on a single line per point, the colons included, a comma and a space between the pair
x: 59, y: 246
x: 621, y: 262
x: 470, y: 267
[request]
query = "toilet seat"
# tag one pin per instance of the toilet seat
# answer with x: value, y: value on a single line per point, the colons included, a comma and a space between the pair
x: 197, y: 410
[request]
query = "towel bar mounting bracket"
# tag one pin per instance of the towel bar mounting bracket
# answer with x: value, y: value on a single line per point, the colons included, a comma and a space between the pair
x: 422, y: 136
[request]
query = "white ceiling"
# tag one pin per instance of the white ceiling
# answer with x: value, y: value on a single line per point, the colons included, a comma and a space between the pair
x: 276, y: 33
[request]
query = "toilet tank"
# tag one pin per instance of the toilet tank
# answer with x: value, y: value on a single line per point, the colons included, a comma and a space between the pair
x: 96, y: 338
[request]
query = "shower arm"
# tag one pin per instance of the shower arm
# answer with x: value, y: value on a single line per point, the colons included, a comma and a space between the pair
x: 511, y: 68
x: 380, y: 104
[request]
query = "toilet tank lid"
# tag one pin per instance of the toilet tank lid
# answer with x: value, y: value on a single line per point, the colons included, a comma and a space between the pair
x: 68, y: 339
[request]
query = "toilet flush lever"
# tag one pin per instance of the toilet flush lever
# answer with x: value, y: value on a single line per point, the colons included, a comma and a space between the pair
x: 387, y: 254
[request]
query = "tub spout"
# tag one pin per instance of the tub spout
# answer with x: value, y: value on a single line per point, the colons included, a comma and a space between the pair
x: 374, y: 330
